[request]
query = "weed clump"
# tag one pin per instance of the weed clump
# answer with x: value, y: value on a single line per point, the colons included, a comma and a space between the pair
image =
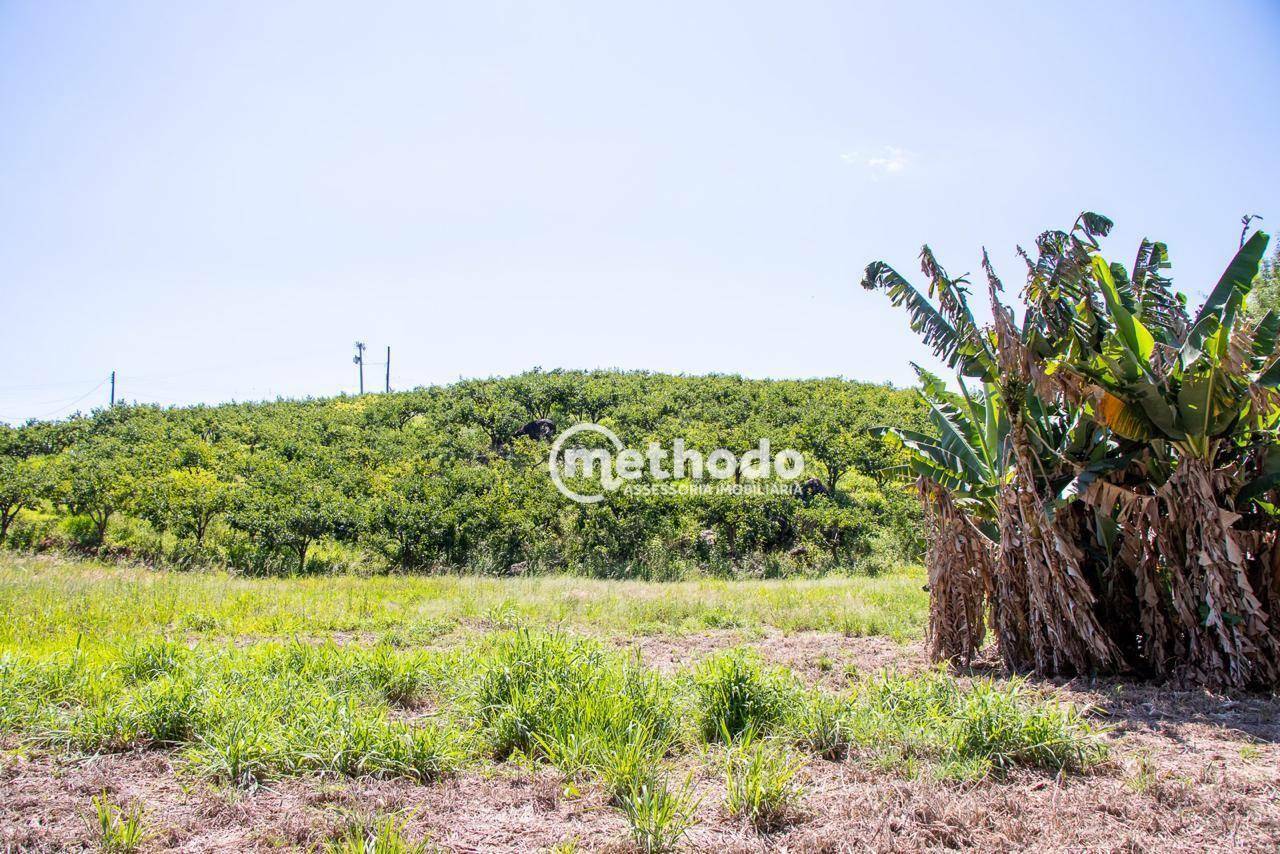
x: 821, y: 724
x: 592, y: 713
x: 657, y: 815
x: 733, y: 692
x: 116, y: 829
x: 987, y: 726
x: 760, y: 781
x: 382, y: 836
x: 151, y: 659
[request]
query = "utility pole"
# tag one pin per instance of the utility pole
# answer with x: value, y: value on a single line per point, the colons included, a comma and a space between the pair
x: 113, y: 388
x: 388, y: 370
x: 359, y: 360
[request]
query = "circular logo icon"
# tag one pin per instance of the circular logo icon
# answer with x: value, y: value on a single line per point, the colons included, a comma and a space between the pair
x: 605, y: 461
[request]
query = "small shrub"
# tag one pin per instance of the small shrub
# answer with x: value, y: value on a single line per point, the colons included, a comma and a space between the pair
x: 136, y: 538
x: 31, y: 532
x: 81, y: 531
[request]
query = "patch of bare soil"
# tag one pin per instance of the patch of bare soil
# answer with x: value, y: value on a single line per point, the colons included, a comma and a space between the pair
x: 47, y: 805
x: 1190, y: 772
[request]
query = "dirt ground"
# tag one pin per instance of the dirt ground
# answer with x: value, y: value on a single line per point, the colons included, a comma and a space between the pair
x: 1211, y: 783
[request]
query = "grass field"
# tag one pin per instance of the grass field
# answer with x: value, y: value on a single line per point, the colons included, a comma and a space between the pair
x: 57, y: 602
x: 144, y: 710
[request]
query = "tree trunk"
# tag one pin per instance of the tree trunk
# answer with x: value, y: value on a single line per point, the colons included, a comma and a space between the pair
x: 7, y: 516
x: 101, y: 525
x: 1139, y: 551
x: 1043, y: 604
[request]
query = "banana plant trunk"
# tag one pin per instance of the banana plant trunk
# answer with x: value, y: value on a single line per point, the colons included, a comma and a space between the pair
x: 1044, y: 571
x: 961, y: 563
x: 1225, y: 638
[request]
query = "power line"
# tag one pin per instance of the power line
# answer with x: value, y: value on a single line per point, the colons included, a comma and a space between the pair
x: 104, y: 381
x: 162, y: 375
x: 227, y: 366
x: 41, y: 386
x: 67, y: 401
x: 114, y: 378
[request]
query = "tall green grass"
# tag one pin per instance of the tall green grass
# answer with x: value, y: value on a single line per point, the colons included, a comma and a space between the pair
x: 244, y: 714
x: 658, y: 814
x: 238, y: 715
x: 732, y: 692
x: 760, y: 780
x: 57, y: 600
x: 962, y: 730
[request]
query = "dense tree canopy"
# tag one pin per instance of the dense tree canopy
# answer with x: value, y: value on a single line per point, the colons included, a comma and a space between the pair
x: 441, y: 478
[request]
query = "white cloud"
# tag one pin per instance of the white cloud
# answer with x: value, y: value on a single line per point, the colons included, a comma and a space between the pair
x: 890, y: 160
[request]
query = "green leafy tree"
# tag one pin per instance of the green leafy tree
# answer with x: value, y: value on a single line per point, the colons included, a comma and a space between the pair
x: 835, y: 430
x: 22, y: 485
x: 285, y: 511
x: 435, y: 477
x: 97, y: 479
x: 192, y: 498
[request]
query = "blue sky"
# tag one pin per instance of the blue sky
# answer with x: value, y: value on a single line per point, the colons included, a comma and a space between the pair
x: 216, y: 200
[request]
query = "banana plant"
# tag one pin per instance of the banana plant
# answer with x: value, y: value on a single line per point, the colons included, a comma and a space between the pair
x: 1154, y: 376
x: 949, y: 329
x: 1109, y: 382
x: 967, y: 455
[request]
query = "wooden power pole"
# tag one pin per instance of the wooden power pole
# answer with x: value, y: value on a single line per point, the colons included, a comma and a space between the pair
x: 388, y: 370
x: 113, y: 388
